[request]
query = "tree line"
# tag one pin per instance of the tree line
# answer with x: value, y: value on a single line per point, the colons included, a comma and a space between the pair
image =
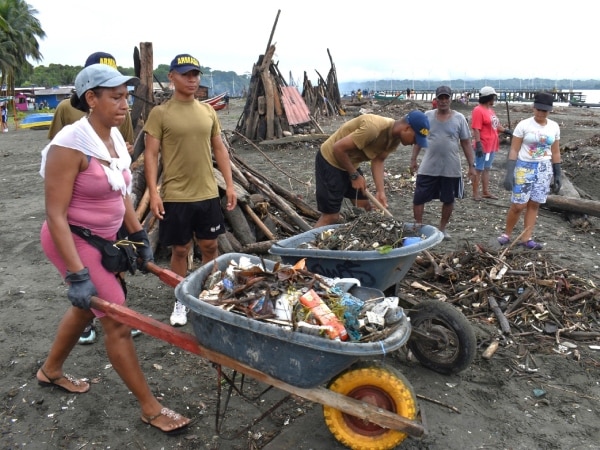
x: 64, y: 75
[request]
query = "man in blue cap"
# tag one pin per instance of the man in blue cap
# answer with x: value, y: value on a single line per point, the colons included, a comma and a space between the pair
x: 368, y: 137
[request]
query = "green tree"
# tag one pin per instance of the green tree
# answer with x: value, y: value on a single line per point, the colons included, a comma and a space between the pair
x: 19, y: 30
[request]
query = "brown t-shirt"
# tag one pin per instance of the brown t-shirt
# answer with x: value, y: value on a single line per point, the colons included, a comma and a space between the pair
x: 372, y: 135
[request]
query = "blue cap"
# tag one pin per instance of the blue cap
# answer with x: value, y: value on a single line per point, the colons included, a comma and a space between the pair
x: 185, y: 63
x: 419, y: 122
x: 101, y: 75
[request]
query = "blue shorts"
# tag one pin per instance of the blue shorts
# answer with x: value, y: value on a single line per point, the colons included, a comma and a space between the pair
x: 332, y: 185
x: 184, y: 220
x: 532, y: 181
x: 482, y: 163
x: 429, y: 187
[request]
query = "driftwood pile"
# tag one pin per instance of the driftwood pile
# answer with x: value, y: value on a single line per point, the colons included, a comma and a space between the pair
x: 266, y: 212
x: 323, y: 99
x: 523, y: 293
x: 273, y: 110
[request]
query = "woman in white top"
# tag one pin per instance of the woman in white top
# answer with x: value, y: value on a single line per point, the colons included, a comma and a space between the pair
x: 532, y: 170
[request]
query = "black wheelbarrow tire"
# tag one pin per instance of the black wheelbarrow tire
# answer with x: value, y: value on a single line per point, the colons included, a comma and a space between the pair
x: 456, y: 344
x: 382, y: 386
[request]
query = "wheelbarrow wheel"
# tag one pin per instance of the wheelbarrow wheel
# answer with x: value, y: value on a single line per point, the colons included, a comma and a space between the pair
x: 381, y: 386
x: 442, y: 338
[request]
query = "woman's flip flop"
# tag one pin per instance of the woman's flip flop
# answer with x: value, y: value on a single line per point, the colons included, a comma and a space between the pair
x: 71, y: 380
x: 176, y: 419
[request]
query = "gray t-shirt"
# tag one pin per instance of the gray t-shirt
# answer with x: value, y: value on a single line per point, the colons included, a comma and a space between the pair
x: 442, y: 157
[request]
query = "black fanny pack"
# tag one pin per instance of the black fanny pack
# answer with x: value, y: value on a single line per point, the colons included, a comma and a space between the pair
x: 117, y: 256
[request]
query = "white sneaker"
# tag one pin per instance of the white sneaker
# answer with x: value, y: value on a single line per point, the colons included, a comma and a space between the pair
x: 179, y: 314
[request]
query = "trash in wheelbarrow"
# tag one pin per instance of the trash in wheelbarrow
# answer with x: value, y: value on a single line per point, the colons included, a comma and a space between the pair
x: 299, y: 359
x: 373, y: 268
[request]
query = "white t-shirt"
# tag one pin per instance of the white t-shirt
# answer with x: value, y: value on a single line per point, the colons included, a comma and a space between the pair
x: 537, y: 139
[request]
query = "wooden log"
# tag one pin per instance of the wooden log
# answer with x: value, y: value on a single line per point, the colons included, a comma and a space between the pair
x: 238, y: 175
x: 143, y: 93
x: 153, y: 237
x: 257, y: 221
x: 239, y: 224
x: 140, y: 210
x: 301, y: 205
x: 259, y: 247
x: 490, y: 350
x: 224, y: 245
x: 280, y: 203
x: 570, y: 204
x: 241, y: 193
x: 504, y: 325
x: 237, y: 247
x: 283, y: 224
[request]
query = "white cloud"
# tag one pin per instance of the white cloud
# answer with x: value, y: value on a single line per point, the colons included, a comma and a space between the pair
x: 379, y: 40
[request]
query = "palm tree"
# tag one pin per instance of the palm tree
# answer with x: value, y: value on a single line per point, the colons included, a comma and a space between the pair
x: 19, y: 30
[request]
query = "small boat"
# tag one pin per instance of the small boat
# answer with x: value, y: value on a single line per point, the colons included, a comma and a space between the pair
x: 36, y: 120
x: 385, y: 95
x: 216, y: 99
x: 219, y: 105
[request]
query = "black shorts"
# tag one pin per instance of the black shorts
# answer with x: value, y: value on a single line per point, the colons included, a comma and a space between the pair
x: 332, y: 185
x: 446, y: 189
x: 183, y: 220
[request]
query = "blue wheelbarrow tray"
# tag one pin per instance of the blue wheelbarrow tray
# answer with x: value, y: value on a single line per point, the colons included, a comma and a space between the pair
x: 371, y: 267
x: 295, y: 358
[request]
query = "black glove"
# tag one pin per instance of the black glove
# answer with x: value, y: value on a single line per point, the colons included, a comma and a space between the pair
x: 81, y: 288
x: 144, y: 251
x: 478, y: 149
x: 557, y: 183
x: 507, y: 131
x: 509, y: 178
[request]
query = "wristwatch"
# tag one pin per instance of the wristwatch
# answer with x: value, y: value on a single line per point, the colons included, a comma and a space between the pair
x: 354, y: 176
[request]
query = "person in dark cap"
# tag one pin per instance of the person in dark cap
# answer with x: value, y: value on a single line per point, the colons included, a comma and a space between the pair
x: 439, y: 176
x: 368, y: 137
x: 65, y: 114
x: 485, y: 126
x: 533, y: 169
x: 187, y: 135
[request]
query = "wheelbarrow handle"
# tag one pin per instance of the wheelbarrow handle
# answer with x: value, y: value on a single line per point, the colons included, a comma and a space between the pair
x: 148, y: 325
x: 167, y: 276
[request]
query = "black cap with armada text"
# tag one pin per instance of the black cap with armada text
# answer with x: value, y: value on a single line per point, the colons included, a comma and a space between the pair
x: 101, y: 58
x: 185, y: 63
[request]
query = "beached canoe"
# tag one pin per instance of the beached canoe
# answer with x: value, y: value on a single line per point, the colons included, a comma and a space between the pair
x: 36, y: 121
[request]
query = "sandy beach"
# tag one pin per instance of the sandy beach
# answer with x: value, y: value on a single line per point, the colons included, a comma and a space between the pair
x: 490, y: 405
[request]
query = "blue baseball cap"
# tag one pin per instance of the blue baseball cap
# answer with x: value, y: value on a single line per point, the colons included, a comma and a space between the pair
x: 185, y: 63
x: 101, y: 75
x: 419, y: 122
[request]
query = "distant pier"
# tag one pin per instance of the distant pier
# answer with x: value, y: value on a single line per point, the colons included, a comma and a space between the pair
x: 472, y: 95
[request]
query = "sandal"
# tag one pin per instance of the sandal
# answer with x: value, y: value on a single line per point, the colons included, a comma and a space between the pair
x: 490, y: 196
x: 53, y: 382
x: 175, y: 426
x: 531, y: 245
x: 503, y: 239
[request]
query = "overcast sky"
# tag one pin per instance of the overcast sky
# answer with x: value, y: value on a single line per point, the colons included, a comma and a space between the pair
x: 373, y: 40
